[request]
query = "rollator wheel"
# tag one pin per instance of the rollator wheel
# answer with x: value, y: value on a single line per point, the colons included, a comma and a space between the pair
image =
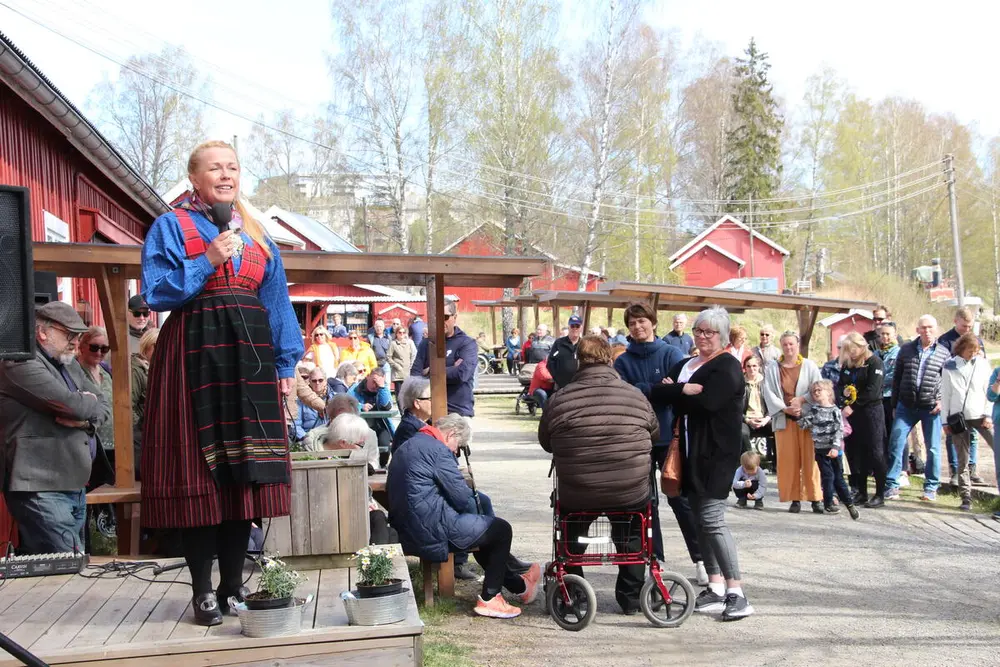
x: 517, y: 407
x: 576, y: 614
x: 681, y: 600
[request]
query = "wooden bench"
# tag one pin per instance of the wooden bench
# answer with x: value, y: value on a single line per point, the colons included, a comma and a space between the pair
x: 446, y: 579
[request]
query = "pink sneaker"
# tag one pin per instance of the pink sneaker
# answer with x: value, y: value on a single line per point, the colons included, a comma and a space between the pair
x: 531, y: 580
x: 497, y: 607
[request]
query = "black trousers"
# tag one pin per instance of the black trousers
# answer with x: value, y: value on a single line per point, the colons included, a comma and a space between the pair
x: 381, y: 531
x: 229, y: 541
x: 627, y: 537
x: 831, y: 473
x: 864, y: 447
x: 682, y: 512
x: 493, y: 556
x: 743, y: 493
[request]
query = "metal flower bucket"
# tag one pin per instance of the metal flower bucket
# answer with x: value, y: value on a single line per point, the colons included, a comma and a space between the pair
x: 375, y: 611
x: 271, y: 622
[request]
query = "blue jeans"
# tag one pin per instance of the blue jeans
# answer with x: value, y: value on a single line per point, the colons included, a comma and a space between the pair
x: 953, y: 455
x: 540, y: 397
x: 49, y: 521
x: 906, y: 418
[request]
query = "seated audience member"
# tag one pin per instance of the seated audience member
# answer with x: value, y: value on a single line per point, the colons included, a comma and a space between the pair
x: 433, y: 510
x: 750, y: 481
x: 308, y: 418
x: 373, y: 396
x: 541, y: 383
x: 140, y: 383
x: 600, y: 432
x: 50, y: 409
x: 415, y: 404
x: 303, y: 391
x: 341, y: 404
x: 341, y: 383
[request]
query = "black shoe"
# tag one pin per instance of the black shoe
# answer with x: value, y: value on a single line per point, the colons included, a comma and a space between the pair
x: 708, y: 602
x: 831, y: 509
x: 817, y: 507
x: 795, y: 507
x: 853, y: 511
x: 206, y: 610
x: 859, y: 498
x: 516, y: 565
x: 875, y: 501
x: 742, y: 502
x: 465, y: 573
x: 737, y: 607
x: 223, y: 598
x: 758, y: 504
x: 974, y: 474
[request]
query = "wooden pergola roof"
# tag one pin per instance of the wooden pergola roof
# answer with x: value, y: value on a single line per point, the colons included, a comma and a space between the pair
x: 112, y: 266
x: 682, y: 297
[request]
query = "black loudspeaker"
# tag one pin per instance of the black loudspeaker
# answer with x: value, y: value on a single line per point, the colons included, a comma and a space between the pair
x: 46, y: 287
x: 17, y: 281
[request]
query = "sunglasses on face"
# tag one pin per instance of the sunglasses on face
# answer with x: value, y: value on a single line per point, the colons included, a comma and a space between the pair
x: 316, y: 380
x: 318, y: 335
x: 353, y: 337
x: 103, y: 349
x: 140, y: 313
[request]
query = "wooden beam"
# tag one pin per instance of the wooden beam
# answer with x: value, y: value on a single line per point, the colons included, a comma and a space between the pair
x: 586, y: 318
x: 537, y: 319
x: 112, y: 291
x: 611, y: 315
x: 807, y: 321
x: 556, y: 321
x: 493, y: 324
x: 522, y: 324
x: 436, y: 351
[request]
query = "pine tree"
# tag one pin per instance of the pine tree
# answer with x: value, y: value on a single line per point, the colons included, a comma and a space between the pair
x: 753, y: 143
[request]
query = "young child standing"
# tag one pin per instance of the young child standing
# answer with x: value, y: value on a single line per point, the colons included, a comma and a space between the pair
x: 750, y: 481
x: 826, y: 424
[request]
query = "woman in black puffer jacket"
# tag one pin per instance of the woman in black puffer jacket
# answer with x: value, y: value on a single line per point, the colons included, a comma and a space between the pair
x: 859, y: 393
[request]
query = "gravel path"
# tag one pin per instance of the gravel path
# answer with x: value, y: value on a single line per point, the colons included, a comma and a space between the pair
x: 909, y: 584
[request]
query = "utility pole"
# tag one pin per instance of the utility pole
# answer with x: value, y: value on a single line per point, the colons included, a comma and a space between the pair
x: 949, y: 161
x: 753, y: 272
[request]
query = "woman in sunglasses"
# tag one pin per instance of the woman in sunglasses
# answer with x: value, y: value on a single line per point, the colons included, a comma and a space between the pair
x: 359, y: 350
x: 92, y: 355
x: 324, y: 352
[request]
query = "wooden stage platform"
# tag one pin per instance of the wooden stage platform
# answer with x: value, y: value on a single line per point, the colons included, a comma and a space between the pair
x: 74, y: 620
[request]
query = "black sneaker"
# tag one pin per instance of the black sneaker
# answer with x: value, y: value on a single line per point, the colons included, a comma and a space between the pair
x: 817, y: 507
x: 742, y: 502
x: 737, y: 607
x: 795, y: 507
x: 859, y: 498
x: 465, y: 573
x: 875, y: 501
x: 708, y: 602
x: 853, y: 511
x: 831, y: 509
x: 758, y: 504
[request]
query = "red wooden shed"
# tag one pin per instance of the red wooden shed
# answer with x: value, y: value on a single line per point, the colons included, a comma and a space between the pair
x: 81, y: 189
x: 722, y: 252
x: 844, y: 323
x: 486, y: 240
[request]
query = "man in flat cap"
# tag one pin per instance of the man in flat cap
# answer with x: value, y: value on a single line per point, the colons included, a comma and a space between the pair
x: 49, y: 409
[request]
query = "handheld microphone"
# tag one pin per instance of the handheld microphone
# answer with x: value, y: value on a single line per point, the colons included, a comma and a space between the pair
x: 223, y: 216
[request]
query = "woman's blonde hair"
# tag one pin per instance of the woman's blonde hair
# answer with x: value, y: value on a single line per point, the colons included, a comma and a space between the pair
x: 250, y: 224
x: 855, y: 341
x: 148, y: 341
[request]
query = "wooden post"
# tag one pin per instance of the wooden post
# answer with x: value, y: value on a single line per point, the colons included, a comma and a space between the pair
x: 586, y: 318
x: 436, y: 347
x: 807, y: 320
x: 556, y: 321
x: 611, y: 315
x: 493, y: 324
x: 537, y: 320
x: 522, y: 324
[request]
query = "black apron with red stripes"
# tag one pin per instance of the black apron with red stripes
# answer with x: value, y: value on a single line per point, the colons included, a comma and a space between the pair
x: 215, y: 443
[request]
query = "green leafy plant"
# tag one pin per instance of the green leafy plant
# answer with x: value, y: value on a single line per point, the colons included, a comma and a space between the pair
x: 277, y: 580
x: 375, y: 564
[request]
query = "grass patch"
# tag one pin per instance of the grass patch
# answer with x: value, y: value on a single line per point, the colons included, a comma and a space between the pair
x: 440, y: 652
x: 440, y: 649
x: 945, y: 499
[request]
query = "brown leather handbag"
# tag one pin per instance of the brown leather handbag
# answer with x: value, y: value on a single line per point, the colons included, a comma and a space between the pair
x: 670, y: 478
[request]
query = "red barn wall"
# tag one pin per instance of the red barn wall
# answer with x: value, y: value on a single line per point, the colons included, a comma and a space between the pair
x: 858, y: 323
x: 769, y: 263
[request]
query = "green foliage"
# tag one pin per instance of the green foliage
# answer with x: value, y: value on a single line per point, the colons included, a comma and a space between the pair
x: 277, y: 579
x: 753, y: 144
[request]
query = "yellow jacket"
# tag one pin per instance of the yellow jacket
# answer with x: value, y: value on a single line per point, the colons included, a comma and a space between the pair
x: 364, y: 355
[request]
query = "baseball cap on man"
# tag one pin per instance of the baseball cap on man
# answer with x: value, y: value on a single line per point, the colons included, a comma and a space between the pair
x: 137, y: 303
x: 575, y: 321
x: 63, y: 315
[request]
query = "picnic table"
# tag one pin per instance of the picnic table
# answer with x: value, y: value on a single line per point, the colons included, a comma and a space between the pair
x: 380, y: 414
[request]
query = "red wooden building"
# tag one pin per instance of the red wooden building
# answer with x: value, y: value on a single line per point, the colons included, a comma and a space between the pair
x: 486, y: 240
x: 844, y: 323
x: 722, y: 252
x: 81, y: 189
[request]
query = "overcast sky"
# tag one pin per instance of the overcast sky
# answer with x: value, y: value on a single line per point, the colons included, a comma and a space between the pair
x: 941, y: 54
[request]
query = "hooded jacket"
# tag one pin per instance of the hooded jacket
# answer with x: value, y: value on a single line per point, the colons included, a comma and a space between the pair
x: 644, y: 365
x: 600, y: 432
x: 562, y: 361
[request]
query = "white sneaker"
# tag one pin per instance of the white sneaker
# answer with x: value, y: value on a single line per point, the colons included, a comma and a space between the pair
x: 904, y: 480
x: 701, y: 574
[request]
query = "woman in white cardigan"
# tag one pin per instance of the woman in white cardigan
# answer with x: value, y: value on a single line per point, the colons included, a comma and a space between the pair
x: 964, y: 382
x: 786, y: 391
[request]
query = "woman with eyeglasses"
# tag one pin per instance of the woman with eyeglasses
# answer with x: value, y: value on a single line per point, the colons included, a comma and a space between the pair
x: 93, y: 354
x: 323, y: 351
x: 308, y: 417
x: 786, y: 391
x: 414, y: 401
x: 359, y: 350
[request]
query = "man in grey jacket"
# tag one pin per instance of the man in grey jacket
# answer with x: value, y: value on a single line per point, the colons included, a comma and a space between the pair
x: 49, y: 409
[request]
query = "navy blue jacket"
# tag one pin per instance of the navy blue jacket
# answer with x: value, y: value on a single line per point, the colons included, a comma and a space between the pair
x: 644, y: 365
x: 458, y: 346
x: 429, y: 500
x: 418, y: 328
x: 950, y: 337
x: 682, y: 341
x: 408, y: 427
